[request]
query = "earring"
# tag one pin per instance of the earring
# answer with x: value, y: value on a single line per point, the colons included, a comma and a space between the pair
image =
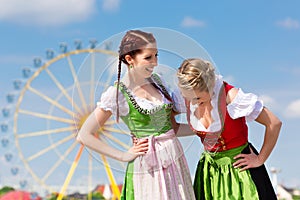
x: 130, y: 66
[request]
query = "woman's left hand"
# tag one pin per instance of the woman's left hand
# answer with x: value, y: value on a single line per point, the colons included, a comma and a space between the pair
x: 140, y: 147
x: 246, y: 161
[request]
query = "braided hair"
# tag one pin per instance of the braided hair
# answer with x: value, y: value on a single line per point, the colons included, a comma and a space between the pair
x: 132, y: 43
x: 196, y: 73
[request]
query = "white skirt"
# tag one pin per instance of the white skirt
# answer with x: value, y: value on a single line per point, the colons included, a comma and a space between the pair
x: 163, y: 173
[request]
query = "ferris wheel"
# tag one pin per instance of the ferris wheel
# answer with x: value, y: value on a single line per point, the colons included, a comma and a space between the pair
x: 54, y: 98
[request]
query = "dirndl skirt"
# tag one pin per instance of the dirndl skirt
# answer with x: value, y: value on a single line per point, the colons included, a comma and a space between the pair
x: 217, y: 179
x: 161, y: 174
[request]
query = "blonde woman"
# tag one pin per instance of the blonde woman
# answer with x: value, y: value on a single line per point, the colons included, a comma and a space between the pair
x: 230, y: 167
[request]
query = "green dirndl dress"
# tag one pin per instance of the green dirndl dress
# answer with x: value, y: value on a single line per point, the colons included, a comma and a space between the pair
x: 217, y: 179
x: 170, y: 179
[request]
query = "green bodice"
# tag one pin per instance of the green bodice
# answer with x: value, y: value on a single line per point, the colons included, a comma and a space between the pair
x: 145, y: 122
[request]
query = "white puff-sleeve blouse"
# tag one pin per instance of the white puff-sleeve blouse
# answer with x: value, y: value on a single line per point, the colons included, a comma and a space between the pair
x: 246, y: 105
x: 108, y: 101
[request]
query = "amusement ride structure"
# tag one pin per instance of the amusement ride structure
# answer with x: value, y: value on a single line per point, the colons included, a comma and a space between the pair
x: 48, y: 107
x: 52, y: 100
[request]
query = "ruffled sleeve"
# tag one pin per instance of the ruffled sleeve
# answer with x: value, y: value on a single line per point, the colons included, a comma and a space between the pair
x: 245, y: 105
x: 108, y: 102
x: 178, y: 100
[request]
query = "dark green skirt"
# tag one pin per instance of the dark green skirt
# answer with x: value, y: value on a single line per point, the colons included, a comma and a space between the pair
x: 217, y: 179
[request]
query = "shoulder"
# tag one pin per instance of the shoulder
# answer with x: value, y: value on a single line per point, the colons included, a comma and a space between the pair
x: 110, y: 90
x: 110, y: 93
x: 157, y: 77
x: 231, y: 92
x: 159, y: 81
x: 108, y: 101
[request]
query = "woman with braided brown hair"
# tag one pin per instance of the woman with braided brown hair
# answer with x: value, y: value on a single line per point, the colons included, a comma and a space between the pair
x: 229, y: 167
x: 157, y: 167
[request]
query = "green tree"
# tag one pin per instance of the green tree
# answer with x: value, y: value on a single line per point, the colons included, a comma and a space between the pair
x: 5, y: 190
x: 97, y: 196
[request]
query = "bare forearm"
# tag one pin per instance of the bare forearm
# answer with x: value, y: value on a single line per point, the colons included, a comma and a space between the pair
x: 270, y: 140
x: 87, y: 137
x: 183, y: 130
x: 101, y: 147
x: 273, y: 126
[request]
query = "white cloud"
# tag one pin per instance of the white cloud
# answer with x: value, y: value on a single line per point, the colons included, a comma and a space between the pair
x: 269, y: 102
x: 191, y: 22
x: 46, y: 12
x: 289, y: 23
x: 229, y: 79
x: 293, y: 109
x: 111, y: 5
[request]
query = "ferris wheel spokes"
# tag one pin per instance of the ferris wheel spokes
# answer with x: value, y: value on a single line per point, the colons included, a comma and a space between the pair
x: 51, y: 147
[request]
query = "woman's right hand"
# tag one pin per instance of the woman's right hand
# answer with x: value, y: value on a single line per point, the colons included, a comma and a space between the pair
x: 140, y: 147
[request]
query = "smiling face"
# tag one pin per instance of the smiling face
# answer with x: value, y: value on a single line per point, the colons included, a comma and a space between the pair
x: 144, y: 61
x: 196, y: 96
x: 196, y: 80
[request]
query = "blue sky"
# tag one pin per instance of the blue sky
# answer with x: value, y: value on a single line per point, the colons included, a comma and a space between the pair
x: 254, y: 44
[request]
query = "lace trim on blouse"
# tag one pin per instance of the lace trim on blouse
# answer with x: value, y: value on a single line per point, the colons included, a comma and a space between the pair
x: 140, y: 109
x: 108, y: 100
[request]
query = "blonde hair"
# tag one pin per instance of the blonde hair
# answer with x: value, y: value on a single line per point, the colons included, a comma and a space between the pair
x: 195, y: 73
